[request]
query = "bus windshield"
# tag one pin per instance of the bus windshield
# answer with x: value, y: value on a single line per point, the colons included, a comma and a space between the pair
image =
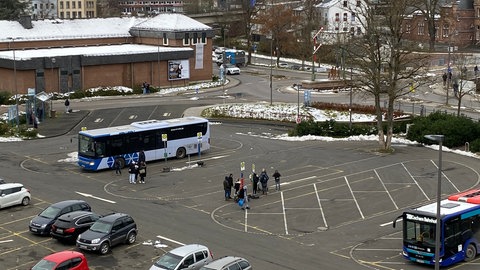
x: 420, y: 233
x: 90, y: 148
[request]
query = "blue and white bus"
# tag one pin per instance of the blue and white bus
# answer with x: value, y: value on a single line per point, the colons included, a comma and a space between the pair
x: 459, y: 230
x: 99, y: 148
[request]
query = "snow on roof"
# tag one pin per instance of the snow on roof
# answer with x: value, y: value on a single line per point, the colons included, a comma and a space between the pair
x: 172, y: 22
x: 68, y: 29
x: 89, y: 51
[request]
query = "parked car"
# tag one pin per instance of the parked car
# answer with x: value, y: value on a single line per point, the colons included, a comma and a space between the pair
x: 283, y: 65
x: 191, y: 257
x: 67, y: 259
x: 228, y: 263
x: 13, y: 194
x: 231, y: 69
x: 108, y: 231
x: 42, y: 223
x: 68, y: 226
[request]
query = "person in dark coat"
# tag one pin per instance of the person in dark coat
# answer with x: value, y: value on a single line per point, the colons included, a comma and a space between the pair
x: 255, y: 180
x: 230, y: 182
x: 264, y: 181
x: 227, y: 188
x: 276, y: 175
x: 142, y: 171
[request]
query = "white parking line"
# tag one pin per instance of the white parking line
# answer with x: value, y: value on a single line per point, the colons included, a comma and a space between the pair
x: 94, y: 197
x: 353, y: 196
x: 320, y: 206
x: 170, y: 240
x: 284, y: 214
x: 384, y: 187
x: 414, y: 180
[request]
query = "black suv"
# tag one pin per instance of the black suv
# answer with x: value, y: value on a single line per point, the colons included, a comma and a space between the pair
x: 68, y: 226
x: 108, y: 231
x: 42, y: 223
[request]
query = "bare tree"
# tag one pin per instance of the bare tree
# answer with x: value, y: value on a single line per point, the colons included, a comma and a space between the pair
x: 278, y: 21
x: 308, y: 25
x: 250, y: 10
x: 388, y: 66
x: 461, y: 85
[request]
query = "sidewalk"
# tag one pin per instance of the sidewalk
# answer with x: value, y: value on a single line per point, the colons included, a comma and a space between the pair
x: 61, y: 124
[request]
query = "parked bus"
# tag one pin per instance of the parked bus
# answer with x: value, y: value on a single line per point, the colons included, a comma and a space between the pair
x: 99, y: 148
x: 459, y: 230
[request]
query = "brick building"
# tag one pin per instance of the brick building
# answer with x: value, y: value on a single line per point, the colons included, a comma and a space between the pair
x: 458, y: 24
x: 60, y: 56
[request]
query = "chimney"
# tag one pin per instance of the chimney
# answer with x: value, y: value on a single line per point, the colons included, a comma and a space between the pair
x: 25, y: 21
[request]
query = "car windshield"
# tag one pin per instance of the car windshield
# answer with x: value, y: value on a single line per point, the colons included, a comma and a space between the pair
x: 168, y: 261
x: 44, y: 265
x: 51, y: 212
x: 101, y: 227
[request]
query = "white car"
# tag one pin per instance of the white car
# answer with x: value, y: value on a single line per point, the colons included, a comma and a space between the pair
x: 283, y: 65
x: 13, y: 194
x: 231, y: 70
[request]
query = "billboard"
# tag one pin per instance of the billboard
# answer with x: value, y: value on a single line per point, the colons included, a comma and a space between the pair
x: 178, y: 69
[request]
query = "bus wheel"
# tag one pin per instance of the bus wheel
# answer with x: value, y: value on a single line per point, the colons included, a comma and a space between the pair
x: 470, y: 253
x: 181, y: 153
x: 121, y: 161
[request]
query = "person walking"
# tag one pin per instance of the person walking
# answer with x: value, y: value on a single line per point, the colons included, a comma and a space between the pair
x: 142, y: 171
x: 264, y: 181
x: 236, y: 186
x: 227, y: 188
x: 132, y: 171
x: 444, y: 78
x: 67, y: 105
x: 118, y: 169
x: 276, y: 175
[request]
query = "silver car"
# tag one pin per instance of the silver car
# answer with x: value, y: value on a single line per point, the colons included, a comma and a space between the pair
x: 192, y: 256
x: 228, y: 263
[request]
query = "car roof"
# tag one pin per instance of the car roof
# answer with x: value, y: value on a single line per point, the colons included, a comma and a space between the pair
x: 112, y: 217
x: 223, y: 261
x: 187, y: 249
x: 75, y: 215
x: 62, y: 255
x: 10, y: 185
x: 67, y: 203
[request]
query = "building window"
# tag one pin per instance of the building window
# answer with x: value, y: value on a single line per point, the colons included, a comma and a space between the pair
x: 436, y: 30
x: 61, y: 5
x: 204, y: 37
x: 345, y: 17
x: 80, y: 14
x: 68, y: 5
x: 186, y: 39
x: 345, y: 3
x: 359, y: 3
x: 337, y: 17
x: 79, y: 4
x: 165, y: 39
x: 359, y: 30
x: 408, y: 28
x: 73, y: 4
x: 421, y: 29
x: 445, y: 31
x: 353, y: 16
x: 195, y: 38
x: 62, y: 16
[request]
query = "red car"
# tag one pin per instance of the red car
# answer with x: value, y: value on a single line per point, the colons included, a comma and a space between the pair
x: 67, y: 259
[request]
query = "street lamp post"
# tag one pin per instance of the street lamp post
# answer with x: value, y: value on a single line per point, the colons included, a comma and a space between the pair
x: 15, y: 78
x: 271, y: 70
x: 297, y: 86
x: 439, y: 139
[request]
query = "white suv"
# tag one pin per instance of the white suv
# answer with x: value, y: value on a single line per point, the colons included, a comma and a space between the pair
x: 190, y: 257
x: 228, y: 263
x: 13, y: 194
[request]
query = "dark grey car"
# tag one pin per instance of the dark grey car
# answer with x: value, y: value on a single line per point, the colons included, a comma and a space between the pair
x: 108, y: 231
x: 42, y: 223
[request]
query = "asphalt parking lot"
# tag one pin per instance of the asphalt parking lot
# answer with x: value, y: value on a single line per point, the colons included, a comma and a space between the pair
x: 337, y: 201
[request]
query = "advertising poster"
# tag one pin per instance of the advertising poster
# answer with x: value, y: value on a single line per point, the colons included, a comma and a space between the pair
x: 178, y: 70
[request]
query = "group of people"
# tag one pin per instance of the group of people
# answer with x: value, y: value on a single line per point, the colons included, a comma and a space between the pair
x: 259, y: 182
x: 135, y: 169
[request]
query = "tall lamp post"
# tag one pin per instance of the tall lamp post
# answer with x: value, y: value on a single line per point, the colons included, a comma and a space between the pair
x: 271, y: 71
x: 439, y: 139
x: 15, y: 77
